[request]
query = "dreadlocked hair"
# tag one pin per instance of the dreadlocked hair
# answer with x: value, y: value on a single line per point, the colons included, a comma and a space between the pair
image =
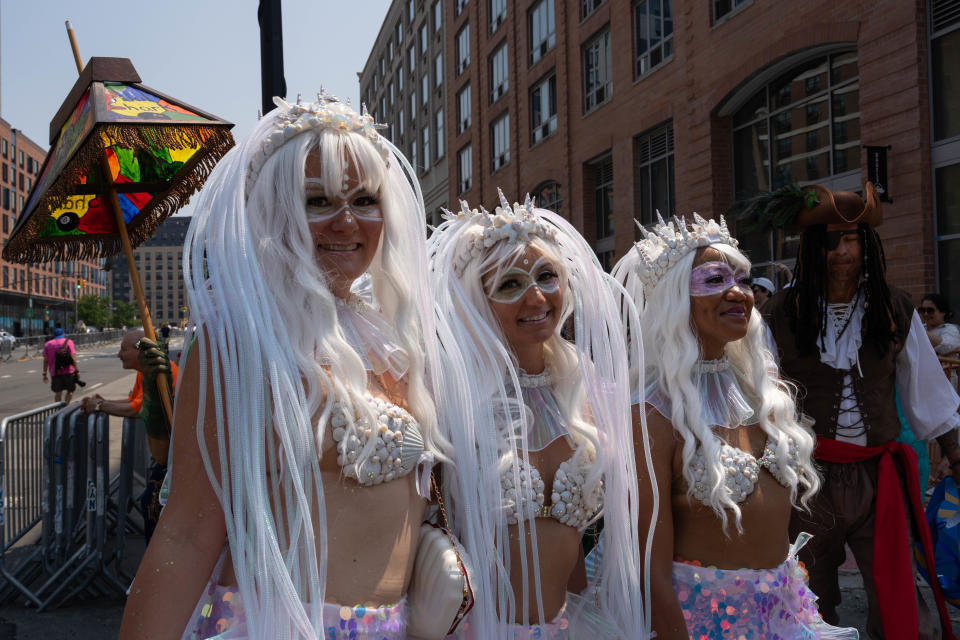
x: 806, y: 299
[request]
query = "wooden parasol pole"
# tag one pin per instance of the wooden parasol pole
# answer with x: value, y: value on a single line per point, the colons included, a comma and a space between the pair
x: 163, y: 384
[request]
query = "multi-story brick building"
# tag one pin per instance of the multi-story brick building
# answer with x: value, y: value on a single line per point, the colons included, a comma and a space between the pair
x: 160, y: 261
x: 608, y: 110
x: 35, y: 298
x: 403, y: 85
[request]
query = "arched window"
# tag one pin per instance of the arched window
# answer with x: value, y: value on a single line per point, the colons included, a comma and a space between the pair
x: 800, y: 126
x: 547, y: 195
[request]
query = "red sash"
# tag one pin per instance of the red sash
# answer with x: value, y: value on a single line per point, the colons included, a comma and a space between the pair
x: 892, y: 564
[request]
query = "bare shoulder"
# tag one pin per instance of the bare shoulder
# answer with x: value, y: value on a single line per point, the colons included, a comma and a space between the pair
x: 659, y: 429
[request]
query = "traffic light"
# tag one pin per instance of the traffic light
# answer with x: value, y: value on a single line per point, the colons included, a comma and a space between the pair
x: 79, y: 283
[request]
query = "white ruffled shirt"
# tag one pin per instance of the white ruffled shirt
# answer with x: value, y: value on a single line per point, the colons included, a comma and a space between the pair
x: 927, y: 397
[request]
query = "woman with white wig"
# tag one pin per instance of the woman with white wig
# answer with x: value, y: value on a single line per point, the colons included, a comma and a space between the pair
x: 543, y: 446
x: 305, y: 424
x: 729, y: 456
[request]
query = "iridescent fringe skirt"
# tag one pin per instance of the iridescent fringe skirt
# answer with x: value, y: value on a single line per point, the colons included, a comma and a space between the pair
x: 220, y: 616
x: 735, y: 604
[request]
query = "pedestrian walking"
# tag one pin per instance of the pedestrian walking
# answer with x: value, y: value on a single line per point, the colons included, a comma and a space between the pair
x: 59, y: 356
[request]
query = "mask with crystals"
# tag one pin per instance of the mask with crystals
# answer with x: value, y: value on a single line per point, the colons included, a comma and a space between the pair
x: 712, y: 278
x: 320, y: 209
x: 514, y: 282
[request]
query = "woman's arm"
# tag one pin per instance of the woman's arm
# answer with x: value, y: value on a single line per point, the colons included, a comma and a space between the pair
x: 668, y: 619
x: 191, y: 532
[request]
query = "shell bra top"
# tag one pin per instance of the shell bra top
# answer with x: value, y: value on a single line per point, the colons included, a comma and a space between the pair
x: 571, y: 502
x: 723, y: 404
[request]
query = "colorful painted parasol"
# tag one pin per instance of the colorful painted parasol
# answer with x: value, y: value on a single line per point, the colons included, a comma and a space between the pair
x: 123, y: 157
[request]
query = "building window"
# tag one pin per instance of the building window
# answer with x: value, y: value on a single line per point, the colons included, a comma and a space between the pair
x: 652, y: 35
x: 600, y: 176
x: 463, y: 111
x: 499, y: 78
x: 547, y: 195
x: 3, y: 146
x: 438, y: 70
x: 463, y: 49
x: 437, y: 15
x: 588, y: 6
x: 597, y: 71
x: 413, y: 105
x: 400, y: 32
x: 440, y: 130
x: 411, y: 10
x: 543, y: 109
x: 383, y: 66
x: 458, y: 6
x: 5, y: 174
x: 412, y: 59
x: 390, y: 50
x: 424, y: 89
x: 413, y: 155
x: 654, y: 177
x: 498, y: 13
x: 374, y: 81
x: 500, y: 142
x: 944, y: 24
x: 423, y: 37
x: 383, y: 107
x: 400, y: 80
x: 399, y: 123
x: 465, y: 168
x: 392, y: 97
x: 426, y: 146
x: 802, y: 127
x: 543, y: 35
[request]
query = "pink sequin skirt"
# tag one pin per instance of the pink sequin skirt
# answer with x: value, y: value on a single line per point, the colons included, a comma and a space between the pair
x: 748, y: 604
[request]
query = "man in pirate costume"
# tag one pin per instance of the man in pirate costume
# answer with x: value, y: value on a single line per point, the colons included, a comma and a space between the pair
x: 852, y: 343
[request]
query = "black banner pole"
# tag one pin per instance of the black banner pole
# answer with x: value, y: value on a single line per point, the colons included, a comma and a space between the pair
x: 272, y: 82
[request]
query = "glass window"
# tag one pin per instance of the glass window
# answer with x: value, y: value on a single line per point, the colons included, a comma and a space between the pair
x: 392, y: 97
x: 600, y: 172
x: 500, y: 141
x: 437, y: 15
x: 412, y: 58
x: 3, y: 146
x: 547, y: 195
x: 413, y: 105
x: 597, y: 71
x: 588, y: 6
x: 947, y: 189
x: 945, y: 57
x: 440, y: 129
x: 5, y: 175
x: 722, y: 7
x: 458, y: 6
x: 498, y: 13
x: 383, y: 66
x: 414, y: 145
x: 400, y: 32
x: 463, y: 109
x: 400, y: 80
x: 653, y: 167
x: 802, y: 127
x: 652, y: 35
x: 543, y: 109
x: 411, y: 10
x: 424, y: 89
x: 426, y: 146
x: 463, y: 48
x: 390, y: 49
x: 542, y: 29
x: 438, y: 69
x: 465, y: 168
x: 423, y: 37
x: 499, y: 78
x: 399, y: 123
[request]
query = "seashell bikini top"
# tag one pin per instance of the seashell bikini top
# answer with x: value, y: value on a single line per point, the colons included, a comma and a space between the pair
x: 398, y: 448
x: 723, y: 404
x: 571, y: 502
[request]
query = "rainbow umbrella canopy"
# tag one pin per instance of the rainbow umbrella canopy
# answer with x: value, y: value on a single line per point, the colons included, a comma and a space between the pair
x: 113, y: 135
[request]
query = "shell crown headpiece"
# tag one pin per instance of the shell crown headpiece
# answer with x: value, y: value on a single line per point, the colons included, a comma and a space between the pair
x: 668, y: 242
x: 516, y: 223
x: 328, y: 112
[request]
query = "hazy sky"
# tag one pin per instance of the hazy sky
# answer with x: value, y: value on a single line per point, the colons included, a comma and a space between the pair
x: 204, y: 52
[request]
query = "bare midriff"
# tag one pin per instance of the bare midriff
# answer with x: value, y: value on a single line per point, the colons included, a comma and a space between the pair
x: 765, y: 515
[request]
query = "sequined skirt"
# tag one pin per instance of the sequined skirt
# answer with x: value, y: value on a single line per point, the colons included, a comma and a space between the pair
x: 752, y: 604
x: 579, y: 619
x: 220, y: 616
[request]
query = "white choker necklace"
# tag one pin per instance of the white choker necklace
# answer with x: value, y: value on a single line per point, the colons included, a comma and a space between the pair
x: 712, y: 366
x: 534, y: 380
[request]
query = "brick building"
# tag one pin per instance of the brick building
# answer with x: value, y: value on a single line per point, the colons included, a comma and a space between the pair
x: 608, y: 110
x: 35, y: 298
x: 403, y: 86
x: 160, y: 261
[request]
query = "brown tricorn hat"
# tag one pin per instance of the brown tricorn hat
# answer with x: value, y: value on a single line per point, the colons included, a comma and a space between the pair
x: 842, y: 207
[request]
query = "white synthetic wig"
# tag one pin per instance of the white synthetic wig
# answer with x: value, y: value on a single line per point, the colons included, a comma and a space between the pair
x: 277, y: 355
x: 671, y: 351
x: 589, y: 375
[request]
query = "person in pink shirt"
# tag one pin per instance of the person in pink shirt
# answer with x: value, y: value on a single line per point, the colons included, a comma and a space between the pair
x: 59, y: 358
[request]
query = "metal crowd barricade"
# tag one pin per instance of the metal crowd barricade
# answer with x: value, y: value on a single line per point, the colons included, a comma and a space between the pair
x: 22, y: 493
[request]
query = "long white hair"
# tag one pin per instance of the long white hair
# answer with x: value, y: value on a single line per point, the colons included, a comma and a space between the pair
x: 264, y: 312
x: 590, y: 373
x: 671, y: 351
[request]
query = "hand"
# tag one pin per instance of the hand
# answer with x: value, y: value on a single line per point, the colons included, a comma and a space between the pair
x: 152, y: 360
x: 90, y: 403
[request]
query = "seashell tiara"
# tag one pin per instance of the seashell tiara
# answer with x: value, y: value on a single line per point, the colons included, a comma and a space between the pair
x: 668, y: 242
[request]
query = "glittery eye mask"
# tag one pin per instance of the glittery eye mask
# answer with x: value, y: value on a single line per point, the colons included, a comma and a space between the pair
x: 514, y: 283
x: 329, y: 212
x: 712, y: 278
